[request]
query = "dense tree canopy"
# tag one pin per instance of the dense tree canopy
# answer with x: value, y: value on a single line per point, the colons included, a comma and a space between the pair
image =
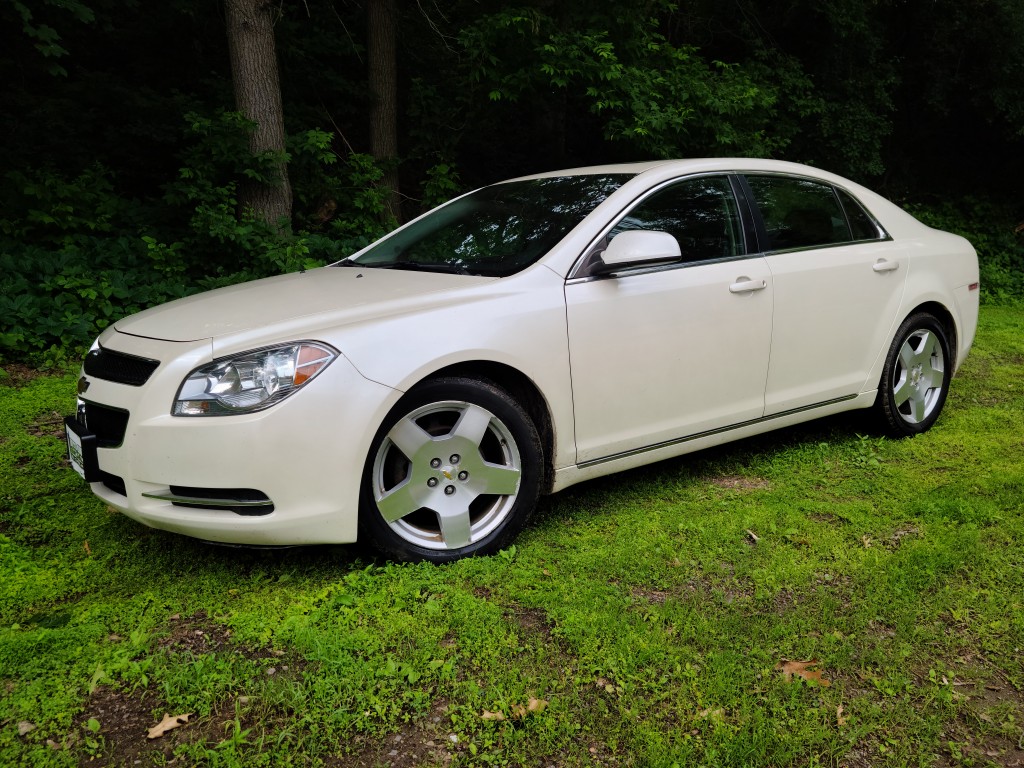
x: 123, y: 148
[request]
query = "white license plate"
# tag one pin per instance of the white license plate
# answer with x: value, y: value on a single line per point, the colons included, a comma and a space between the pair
x: 75, y: 454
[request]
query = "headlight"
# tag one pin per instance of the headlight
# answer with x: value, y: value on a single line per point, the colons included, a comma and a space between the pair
x: 251, y: 381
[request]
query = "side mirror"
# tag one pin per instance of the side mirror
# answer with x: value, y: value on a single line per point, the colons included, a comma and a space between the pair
x: 637, y: 248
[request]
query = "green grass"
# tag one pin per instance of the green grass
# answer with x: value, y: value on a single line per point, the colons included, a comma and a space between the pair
x: 648, y: 613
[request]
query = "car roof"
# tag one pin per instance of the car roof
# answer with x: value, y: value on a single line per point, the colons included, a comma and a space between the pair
x: 685, y: 166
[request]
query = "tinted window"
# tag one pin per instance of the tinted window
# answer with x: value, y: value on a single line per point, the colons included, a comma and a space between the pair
x: 799, y: 213
x: 700, y: 213
x: 862, y: 225
x: 496, y: 230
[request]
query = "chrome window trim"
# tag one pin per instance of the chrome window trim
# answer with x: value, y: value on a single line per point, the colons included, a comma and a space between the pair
x: 628, y: 271
x: 884, y: 235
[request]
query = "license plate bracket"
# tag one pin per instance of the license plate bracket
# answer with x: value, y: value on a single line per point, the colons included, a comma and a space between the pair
x: 82, y: 450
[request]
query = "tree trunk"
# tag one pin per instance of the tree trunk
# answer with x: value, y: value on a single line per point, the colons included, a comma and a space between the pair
x: 250, y: 26
x: 383, y: 77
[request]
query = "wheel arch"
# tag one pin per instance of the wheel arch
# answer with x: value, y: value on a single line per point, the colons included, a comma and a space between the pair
x: 941, y: 313
x: 523, y: 389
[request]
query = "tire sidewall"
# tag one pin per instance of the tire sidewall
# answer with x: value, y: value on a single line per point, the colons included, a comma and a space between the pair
x: 504, y: 408
x: 893, y: 421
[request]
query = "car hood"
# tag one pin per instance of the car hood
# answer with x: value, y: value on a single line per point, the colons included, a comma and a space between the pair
x: 345, y: 294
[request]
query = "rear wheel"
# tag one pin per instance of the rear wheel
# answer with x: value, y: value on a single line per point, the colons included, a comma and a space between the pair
x: 455, y: 470
x: 916, y: 376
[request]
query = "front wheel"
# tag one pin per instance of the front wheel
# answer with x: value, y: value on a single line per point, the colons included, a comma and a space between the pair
x: 455, y: 470
x: 916, y: 377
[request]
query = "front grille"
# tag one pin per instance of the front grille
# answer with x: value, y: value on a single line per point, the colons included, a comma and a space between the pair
x: 108, y: 424
x: 218, y: 496
x: 118, y: 367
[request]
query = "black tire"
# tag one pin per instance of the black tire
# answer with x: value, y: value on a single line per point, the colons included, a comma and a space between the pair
x: 466, y: 437
x: 916, y: 377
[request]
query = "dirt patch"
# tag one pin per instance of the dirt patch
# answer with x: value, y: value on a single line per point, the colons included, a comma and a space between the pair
x: 533, y: 621
x: 125, y: 717
x: 988, y: 727
x: 739, y: 482
x: 48, y: 425
x: 18, y: 375
x: 124, y: 720
x: 199, y: 634
x: 196, y: 634
x: 426, y: 742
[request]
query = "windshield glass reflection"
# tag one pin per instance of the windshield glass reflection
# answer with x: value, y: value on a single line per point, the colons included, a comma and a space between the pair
x: 497, y: 230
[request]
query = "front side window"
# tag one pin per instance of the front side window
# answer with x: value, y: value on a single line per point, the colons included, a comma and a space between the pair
x: 495, y: 231
x: 799, y: 213
x: 700, y: 213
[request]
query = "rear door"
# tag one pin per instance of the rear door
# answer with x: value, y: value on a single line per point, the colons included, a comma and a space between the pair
x: 838, y: 281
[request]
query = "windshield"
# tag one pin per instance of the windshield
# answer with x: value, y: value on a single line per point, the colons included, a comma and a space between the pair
x: 497, y: 230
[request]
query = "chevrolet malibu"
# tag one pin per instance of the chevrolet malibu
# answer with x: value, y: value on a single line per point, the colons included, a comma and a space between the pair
x: 515, y: 341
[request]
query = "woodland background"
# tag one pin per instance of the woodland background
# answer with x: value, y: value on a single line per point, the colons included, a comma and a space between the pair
x: 151, y: 150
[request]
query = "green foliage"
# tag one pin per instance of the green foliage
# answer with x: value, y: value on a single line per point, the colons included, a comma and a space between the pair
x: 75, y: 255
x: 45, y: 39
x: 441, y: 185
x: 662, y: 99
x: 41, y: 206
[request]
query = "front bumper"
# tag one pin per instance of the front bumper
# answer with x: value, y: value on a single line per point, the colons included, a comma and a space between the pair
x: 305, y: 454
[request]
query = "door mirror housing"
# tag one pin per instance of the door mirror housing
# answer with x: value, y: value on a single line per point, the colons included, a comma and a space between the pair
x: 637, y: 248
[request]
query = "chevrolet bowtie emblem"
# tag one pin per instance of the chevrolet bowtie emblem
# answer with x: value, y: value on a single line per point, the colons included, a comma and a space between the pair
x: 83, y: 384
x: 447, y: 474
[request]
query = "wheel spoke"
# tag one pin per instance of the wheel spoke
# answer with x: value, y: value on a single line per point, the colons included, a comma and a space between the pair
x: 917, y: 405
x: 400, y: 501
x: 455, y: 525
x: 408, y: 437
x: 903, y: 389
x: 497, y: 480
x: 908, y: 355
x: 472, y: 424
x: 929, y: 346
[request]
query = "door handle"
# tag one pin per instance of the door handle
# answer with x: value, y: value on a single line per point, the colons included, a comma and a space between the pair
x: 745, y: 285
x: 885, y: 266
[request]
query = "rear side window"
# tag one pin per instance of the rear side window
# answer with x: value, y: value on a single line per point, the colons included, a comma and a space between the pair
x: 701, y: 214
x: 862, y: 225
x: 799, y: 213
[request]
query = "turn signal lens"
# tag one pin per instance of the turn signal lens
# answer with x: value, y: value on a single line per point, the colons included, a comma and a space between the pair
x: 251, y: 381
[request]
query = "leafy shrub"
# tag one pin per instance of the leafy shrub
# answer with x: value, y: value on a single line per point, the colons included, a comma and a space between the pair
x: 75, y: 256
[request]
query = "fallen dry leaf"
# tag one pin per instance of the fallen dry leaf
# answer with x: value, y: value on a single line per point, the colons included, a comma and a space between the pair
x: 167, y: 724
x: 840, y: 720
x: 88, y: 550
x: 533, y: 706
x: 491, y: 715
x: 715, y: 715
x: 802, y: 669
x: 25, y: 727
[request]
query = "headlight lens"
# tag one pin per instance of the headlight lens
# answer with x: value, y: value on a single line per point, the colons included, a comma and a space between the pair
x: 251, y: 381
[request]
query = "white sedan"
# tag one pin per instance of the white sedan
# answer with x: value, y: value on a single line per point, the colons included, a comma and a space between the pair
x: 518, y: 340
